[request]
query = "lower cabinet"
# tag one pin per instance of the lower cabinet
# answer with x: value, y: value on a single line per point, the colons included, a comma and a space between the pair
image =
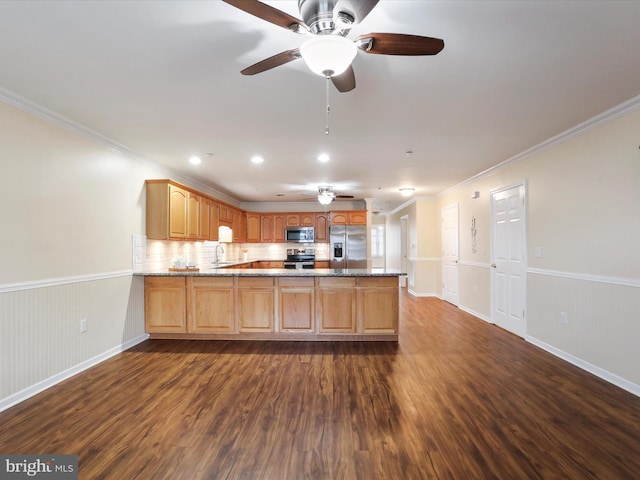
x: 165, y: 304
x: 296, y: 302
x: 336, y: 311
x: 378, y: 305
x: 211, y: 305
x: 255, y: 304
x: 295, y: 306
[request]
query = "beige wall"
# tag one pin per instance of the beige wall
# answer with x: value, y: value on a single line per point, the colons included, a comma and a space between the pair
x: 583, y: 199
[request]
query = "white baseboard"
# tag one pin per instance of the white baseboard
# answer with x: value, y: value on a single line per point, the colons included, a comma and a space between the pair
x: 597, y: 371
x: 475, y: 314
x: 32, y: 390
x: 416, y: 294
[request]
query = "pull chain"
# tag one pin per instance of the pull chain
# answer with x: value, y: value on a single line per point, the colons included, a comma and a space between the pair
x: 326, y: 129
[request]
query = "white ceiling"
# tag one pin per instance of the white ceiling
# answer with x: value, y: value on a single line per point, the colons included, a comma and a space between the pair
x: 163, y: 79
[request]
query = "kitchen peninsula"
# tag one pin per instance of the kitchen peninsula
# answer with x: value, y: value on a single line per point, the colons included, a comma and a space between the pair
x: 273, y: 304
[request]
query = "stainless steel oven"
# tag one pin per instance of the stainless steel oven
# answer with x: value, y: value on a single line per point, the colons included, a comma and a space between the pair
x: 300, y: 258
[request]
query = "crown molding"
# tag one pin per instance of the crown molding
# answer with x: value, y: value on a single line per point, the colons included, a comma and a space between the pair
x: 32, y: 108
x: 597, y: 121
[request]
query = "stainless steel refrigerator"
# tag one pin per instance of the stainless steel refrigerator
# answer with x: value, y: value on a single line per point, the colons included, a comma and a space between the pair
x: 348, y: 244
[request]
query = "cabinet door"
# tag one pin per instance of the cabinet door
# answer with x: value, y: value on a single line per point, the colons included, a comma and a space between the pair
x: 177, y: 213
x: 253, y: 227
x: 358, y: 217
x: 339, y: 218
x: 225, y: 214
x: 322, y: 228
x: 214, y: 221
x: 239, y: 225
x: 278, y: 228
x: 336, y: 304
x: 293, y: 220
x: 296, y: 300
x: 204, y: 219
x: 266, y: 228
x: 307, y: 219
x: 211, y: 305
x: 193, y: 215
x: 255, y: 304
x: 165, y: 304
x: 378, y: 308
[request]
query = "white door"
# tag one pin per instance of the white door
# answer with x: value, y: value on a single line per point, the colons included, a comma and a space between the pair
x: 404, y: 260
x: 508, y: 273
x: 450, y: 254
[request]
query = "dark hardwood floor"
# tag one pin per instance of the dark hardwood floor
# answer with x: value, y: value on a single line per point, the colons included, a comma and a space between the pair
x: 455, y: 398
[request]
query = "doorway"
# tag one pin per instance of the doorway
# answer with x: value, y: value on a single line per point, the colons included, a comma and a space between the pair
x: 508, y: 253
x: 404, y: 249
x: 450, y: 242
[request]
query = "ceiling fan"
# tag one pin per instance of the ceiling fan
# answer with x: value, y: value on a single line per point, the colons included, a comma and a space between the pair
x: 328, y: 51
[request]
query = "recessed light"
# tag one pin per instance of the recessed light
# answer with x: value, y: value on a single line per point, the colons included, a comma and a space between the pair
x: 406, y: 191
x: 257, y: 159
x: 324, y: 158
x: 195, y: 160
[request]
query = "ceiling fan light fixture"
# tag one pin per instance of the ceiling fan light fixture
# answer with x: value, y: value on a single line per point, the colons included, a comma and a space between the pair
x: 325, y: 199
x: 328, y: 55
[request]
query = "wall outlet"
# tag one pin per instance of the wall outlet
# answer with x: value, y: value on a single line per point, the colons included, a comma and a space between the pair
x: 83, y: 325
x: 564, y: 320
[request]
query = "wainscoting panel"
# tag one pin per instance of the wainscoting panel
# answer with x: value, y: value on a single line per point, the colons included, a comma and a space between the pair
x: 40, y: 338
x: 596, y: 320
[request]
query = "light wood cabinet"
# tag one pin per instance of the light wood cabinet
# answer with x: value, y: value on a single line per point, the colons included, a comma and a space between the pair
x: 193, y: 216
x: 296, y: 304
x: 349, y: 217
x: 253, y: 227
x: 321, y: 228
x: 336, y: 304
x: 211, y: 305
x: 165, y: 304
x: 378, y: 305
x: 256, y: 304
x: 204, y: 219
x: 307, y: 219
x: 293, y: 220
x: 268, y: 264
x: 321, y: 264
x: 273, y: 307
x: 266, y: 228
x: 278, y: 228
x: 225, y: 214
x: 238, y: 225
x: 214, y: 221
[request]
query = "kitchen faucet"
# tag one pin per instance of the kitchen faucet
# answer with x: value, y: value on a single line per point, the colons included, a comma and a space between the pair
x: 216, y: 260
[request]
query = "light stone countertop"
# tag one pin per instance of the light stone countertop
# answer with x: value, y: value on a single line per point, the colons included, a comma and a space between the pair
x: 227, y: 271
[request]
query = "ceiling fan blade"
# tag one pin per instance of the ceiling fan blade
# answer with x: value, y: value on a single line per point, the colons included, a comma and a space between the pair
x: 358, y: 9
x: 346, y: 81
x: 272, y: 62
x: 270, y: 14
x: 399, y: 44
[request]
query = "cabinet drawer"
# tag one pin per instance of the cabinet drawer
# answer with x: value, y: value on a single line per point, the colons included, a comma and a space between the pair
x: 378, y: 282
x: 336, y: 282
x: 295, y: 282
x: 249, y: 282
x: 164, y: 281
x: 212, y: 281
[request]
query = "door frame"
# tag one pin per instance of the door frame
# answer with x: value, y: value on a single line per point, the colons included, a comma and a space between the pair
x: 492, y: 235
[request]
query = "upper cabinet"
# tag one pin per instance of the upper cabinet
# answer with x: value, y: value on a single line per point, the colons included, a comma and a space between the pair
x: 350, y: 217
x: 175, y: 212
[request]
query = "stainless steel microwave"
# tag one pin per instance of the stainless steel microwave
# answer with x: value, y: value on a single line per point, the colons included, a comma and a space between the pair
x: 299, y: 234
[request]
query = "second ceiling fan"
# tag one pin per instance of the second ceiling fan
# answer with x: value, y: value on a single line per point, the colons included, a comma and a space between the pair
x: 328, y: 51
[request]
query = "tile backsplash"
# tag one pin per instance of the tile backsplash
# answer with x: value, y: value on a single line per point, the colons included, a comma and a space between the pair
x: 161, y: 254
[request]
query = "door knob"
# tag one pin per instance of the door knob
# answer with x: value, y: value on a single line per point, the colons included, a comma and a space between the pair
x: 493, y: 265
